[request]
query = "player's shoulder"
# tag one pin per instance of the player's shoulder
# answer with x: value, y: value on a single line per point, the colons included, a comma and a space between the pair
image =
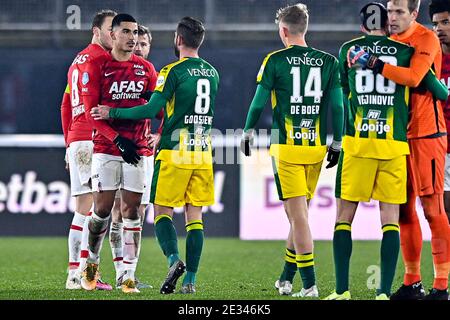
x: 421, y: 30
x: 277, y: 53
x: 100, y: 57
x: 95, y: 52
x: 352, y: 42
x: 209, y: 65
x: 399, y: 43
x: 174, y: 66
x: 399, y: 47
x: 147, y: 64
x: 423, y: 34
x: 326, y: 56
x: 92, y: 53
x: 213, y: 73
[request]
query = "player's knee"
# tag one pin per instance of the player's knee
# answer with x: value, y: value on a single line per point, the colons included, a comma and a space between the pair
x: 408, y: 220
x: 408, y: 215
x: 130, y: 211
x: 432, y: 206
x: 389, y: 213
x: 298, y: 219
x: 102, y: 211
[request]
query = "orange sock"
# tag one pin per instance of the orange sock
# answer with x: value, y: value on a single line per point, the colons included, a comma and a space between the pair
x: 410, y: 241
x: 440, y: 283
x: 440, y: 238
x: 412, y: 273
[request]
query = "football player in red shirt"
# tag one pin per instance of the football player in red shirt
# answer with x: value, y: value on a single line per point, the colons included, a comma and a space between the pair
x: 117, y: 80
x: 78, y: 140
x: 142, y: 49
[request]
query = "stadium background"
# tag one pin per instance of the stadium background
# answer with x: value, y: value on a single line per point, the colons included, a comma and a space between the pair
x: 38, y: 41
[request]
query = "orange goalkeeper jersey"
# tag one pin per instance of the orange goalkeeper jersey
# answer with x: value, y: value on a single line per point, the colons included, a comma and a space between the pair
x: 426, y: 116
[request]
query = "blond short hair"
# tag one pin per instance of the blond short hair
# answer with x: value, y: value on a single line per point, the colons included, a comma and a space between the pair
x: 295, y: 17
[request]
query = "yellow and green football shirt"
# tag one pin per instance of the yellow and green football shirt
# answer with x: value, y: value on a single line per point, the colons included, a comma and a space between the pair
x: 190, y: 86
x: 300, y: 80
x: 376, y: 107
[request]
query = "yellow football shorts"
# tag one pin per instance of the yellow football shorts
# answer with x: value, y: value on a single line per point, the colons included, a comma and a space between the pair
x: 174, y: 187
x: 295, y: 180
x: 362, y: 179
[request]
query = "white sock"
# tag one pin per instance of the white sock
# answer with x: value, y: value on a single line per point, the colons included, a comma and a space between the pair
x: 142, y: 225
x: 97, y: 231
x: 132, y: 240
x: 84, y: 253
x: 116, y: 243
x: 75, y: 235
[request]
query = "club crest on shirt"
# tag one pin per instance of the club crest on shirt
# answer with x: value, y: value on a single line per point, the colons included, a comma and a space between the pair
x: 85, y: 78
x: 160, y: 81
x: 140, y: 72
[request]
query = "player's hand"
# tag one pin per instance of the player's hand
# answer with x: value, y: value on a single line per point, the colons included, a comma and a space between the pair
x: 147, y: 95
x: 333, y: 154
x: 247, y: 142
x: 127, y: 149
x: 357, y: 57
x: 153, y: 140
x: 100, y: 112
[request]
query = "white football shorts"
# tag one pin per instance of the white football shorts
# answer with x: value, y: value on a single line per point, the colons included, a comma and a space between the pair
x: 113, y: 173
x: 148, y: 174
x: 79, y: 156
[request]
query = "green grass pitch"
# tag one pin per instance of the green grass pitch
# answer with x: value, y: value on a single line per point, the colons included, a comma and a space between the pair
x: 35, y: 268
